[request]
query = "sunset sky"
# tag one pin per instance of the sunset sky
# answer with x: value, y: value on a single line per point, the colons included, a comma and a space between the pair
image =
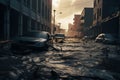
x: 68, y: 9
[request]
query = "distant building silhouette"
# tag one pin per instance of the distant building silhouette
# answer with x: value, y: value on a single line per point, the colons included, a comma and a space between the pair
x: 70, y: 32
x: 81, y: 23
x: 19, y: 16
x: 76, y: 25
x: 74, y: 29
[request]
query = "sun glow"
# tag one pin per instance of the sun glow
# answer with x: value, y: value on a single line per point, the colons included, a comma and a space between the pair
x: 55, y: 3
x: 68, y: 8
x: 65, y: 21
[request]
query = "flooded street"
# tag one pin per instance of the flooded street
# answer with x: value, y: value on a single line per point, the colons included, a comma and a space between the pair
x: 59, y: 40
x: 81, y: 60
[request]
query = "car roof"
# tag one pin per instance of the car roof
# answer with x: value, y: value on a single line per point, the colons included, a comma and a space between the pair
x: 35, y: 32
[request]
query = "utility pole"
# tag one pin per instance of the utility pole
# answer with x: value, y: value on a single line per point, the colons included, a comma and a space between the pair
x: 54, y: 22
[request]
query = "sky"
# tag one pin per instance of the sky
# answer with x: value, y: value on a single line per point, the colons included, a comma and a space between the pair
x: 68, y: 9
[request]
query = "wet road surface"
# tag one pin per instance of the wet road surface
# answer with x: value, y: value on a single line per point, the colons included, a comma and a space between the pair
x: 81, y: 60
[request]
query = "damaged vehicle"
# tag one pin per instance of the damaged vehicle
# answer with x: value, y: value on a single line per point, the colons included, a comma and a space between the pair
x: 31, y: 41
x: 59, y: 37
x: 106, y: 38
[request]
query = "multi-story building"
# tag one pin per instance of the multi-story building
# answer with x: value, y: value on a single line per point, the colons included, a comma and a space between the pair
x: 19, y: 16
x: 70, y: 32
x: 86, y: 19
x: 76, y: 25
x: 73, y: 28
x: 106, y: 17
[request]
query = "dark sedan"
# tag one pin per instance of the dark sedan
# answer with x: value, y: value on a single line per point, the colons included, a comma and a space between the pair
x: 59, y: 37
x: 31, y: 41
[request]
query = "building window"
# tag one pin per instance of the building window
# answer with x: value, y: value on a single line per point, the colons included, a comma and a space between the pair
x: 95, y: 3
x: 28, y: 3
x: 95, y: 16
x: 34, y: 3
x: 39, y: 6
x: 43, y: 9
x: 25, y: 2
x: 100, y: 12
x: 98, y: 1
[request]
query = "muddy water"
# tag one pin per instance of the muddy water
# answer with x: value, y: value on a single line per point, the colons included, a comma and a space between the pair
x: 71, y: 58
x: 77, y: 58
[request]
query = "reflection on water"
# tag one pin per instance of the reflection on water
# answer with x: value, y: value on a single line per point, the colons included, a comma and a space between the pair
x: 74, y: 58
x: 77, y: 58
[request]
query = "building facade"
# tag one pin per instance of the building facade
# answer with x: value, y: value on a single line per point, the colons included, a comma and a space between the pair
x: 86, y: 20
x: 20, y: 16
x: 76, y: 25
x: 106, y: 17
x: 70, y: 32
x: 73, y: 29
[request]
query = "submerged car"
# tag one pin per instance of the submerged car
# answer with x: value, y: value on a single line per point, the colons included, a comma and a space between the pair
x: 105, y: 38
x: 100, y: 37
x: 59, y: 37
x: 31, y: 41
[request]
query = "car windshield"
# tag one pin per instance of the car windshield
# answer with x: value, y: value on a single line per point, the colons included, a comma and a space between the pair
x: 60, y: 35
x: 36, y: 35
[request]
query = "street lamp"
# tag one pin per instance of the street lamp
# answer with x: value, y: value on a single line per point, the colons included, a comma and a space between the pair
x: 54, y: 22
x: 54, y: 27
